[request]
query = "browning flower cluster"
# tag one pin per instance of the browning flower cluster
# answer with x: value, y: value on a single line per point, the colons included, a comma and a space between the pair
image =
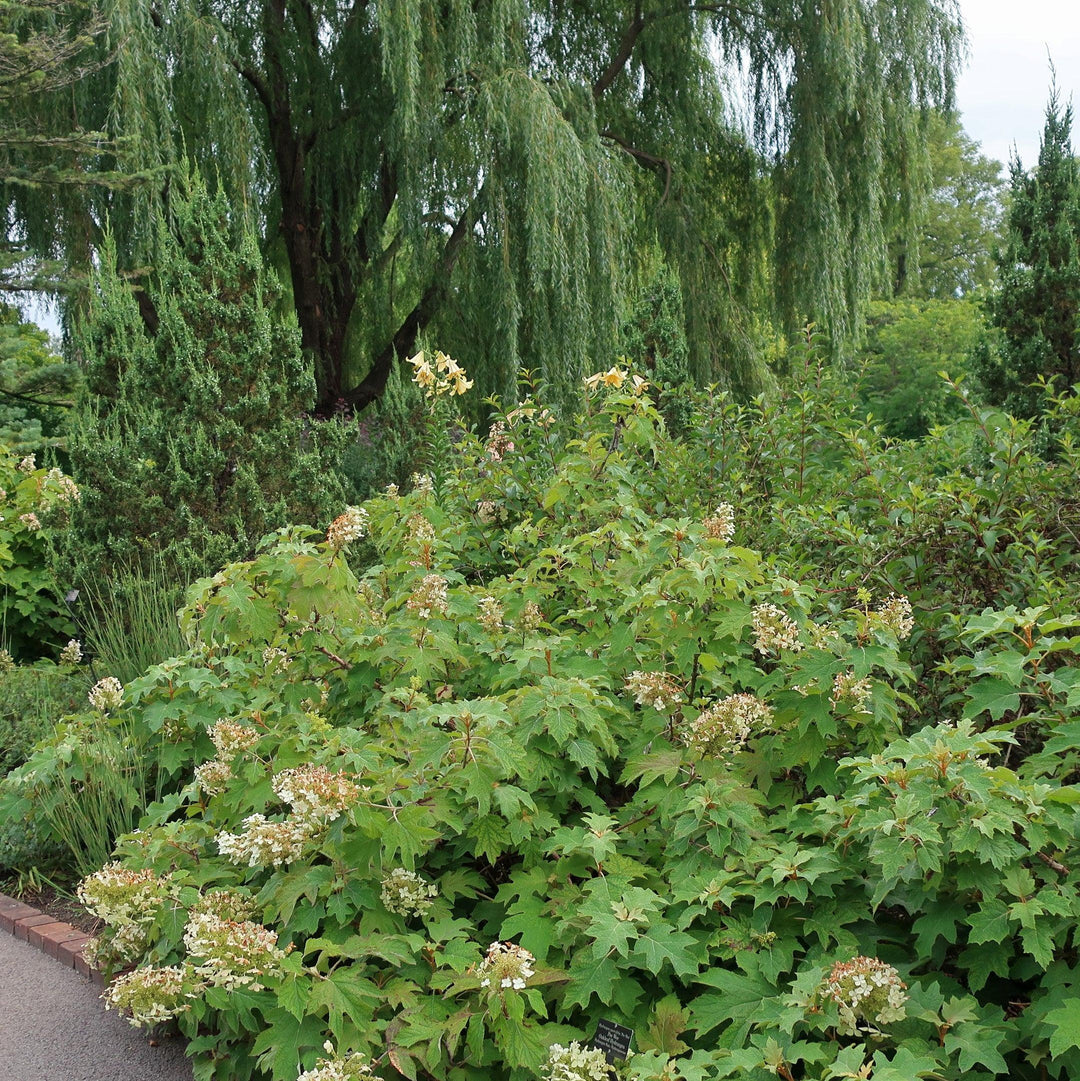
x: 720, y: 525
x: 656, y: 689
x: 850, y: 689
x: 347, y: 527
x: 498, y: 444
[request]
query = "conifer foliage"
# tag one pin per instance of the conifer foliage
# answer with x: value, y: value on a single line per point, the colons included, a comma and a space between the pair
x: 192, y: 441
x: 1037, y: 306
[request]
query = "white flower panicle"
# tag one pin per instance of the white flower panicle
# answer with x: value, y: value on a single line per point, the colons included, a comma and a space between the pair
x: 66, y: 490
x: 865, y: 989
x: 149, y: 995
x: 720, y: 525
x: 406, y: 893
x: 656, y: 689
x: 391, y: 491
x: 488, y: 511
x: 314, y: 793
x: 233, y: 953
x: 894, y: 613
x: 531, y: 618
x: 71, y: 655
x: 7, y: 661
x: 422, y: 483
x: 122, y: 895
x: 430, y: 596
x: 31, y: 521
x: 347, y: 527
x: 263, y: 843
x: 350, y: 1067
x: 213, y: 777
x: 490, y: 614
x: 575, y: 1063
x: 848, y: 688
x: 421, y: 531
x: 231, y: 737
x: 774, y: 630
x: 506, y: 967
x: 726, y: 726
x: 275, y: 660
x: 107, y: 694
x: 28, y: 464
x: 225, y: 904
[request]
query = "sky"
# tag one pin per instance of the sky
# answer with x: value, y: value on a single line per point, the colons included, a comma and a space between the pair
x: 1003, y: 91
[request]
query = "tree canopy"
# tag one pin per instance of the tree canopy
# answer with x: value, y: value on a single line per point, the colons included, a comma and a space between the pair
x: 1036, y: 307
x: 480, y: 169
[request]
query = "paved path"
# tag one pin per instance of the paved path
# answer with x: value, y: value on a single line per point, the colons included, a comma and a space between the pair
x: 53, y: 1027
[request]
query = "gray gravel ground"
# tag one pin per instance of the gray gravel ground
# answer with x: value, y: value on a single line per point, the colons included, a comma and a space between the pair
x: 53, y: 1027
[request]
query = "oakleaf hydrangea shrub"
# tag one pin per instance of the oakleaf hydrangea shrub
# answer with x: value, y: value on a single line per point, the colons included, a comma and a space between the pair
x: 571, y: 751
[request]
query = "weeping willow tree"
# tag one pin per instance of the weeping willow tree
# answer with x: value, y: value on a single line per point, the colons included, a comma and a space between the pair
x: 485, y: 171
x: 49, y: 157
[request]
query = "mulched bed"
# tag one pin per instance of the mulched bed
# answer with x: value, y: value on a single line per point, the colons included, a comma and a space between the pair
x: 61, y: 908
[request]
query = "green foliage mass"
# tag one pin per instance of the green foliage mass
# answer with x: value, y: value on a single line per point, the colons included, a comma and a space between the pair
x: 36, y: 386
x: 959, y: 220
x: 909, y: 343
x: 191, y: 440
x: 688, y: 778
x: 1036, y: 307
x: 35, y: 507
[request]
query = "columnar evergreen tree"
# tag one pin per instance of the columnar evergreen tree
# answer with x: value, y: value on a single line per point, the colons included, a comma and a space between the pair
x: 192, y: 442
x: 480, y: 169
x: 1036, y: 307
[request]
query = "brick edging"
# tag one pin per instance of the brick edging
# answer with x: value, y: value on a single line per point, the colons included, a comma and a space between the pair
x: 53, y: 937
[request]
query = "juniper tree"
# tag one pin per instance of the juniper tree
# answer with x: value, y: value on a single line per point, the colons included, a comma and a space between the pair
x: 1036, y: 307
x: 487, y: 170
x: 191, y: 442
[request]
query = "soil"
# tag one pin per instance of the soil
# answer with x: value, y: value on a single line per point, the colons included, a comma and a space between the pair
x: 62, y: 908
